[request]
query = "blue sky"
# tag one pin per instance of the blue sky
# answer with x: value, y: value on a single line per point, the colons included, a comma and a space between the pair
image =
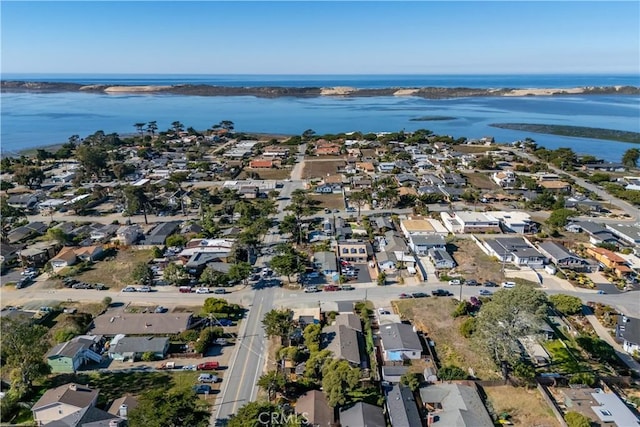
x: 320, y: 37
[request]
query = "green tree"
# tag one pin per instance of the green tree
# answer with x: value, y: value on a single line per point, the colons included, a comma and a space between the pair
x: 152, y: 127
x: 301, y: 205
x: 576, y: 419
x: 315, y: 364
x: 566, y: 304
x: 177, y: 240
x: 451, y: 373
x: 339, y: 379
x: 511, y: 314
x: 288, y: 262
x: 58, y: 235
x: 411, y: 380
x: 239, y: 271
x: 136, y: 200
x: 360, y: 198
x: 219, y: 305
x: 277, y: 323
x: 560, y: 217
x: 23, y: 346
x: 30, y: 176
x: 142, y: 273
x: 289, y: 225
x: 148, y: 356
x: 263, y: 414
x: 468, y: 327
x: 584, y: 378
x: 207, y: 336
x: 211, y: 277
x: 311, y: 336
x: 169, y: 408
x: 92, y: 159
x: 139, y: 127
x: 630, y: 158
x: 175, y: 274
x: 272, y: 382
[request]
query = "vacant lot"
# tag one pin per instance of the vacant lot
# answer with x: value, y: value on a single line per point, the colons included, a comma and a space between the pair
x: 475, y: 264
x: 472, y: 149
x: 525, y: 407
x: 331, y: 201
x: 481, y: 181
x: 266, y: 173
x: 116, y: 273
x: 433, y: 316
x: 320, y: 168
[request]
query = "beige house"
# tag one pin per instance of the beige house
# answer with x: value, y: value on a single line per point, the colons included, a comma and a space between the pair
x: 60, y: 402
x: 354, y: 250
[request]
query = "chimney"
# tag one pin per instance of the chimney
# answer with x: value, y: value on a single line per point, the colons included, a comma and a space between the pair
x: 73, y: 387
x: 122, y: 411
x: 114, y: 423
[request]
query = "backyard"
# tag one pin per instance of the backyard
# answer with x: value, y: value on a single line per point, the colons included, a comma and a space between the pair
x: 525, y: 407
x: 433, y: 316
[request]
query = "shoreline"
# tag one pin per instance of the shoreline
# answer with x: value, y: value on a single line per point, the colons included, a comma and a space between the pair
x: 337, y: 91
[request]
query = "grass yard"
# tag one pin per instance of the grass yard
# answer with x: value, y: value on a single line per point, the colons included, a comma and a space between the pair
x: 433, y: 316
x: 266, y: 173
x: 524, y: 406
x: 116, y: 273
x: 331, y: 201
x: 481, y: 181
x: 565, y: 360
x: 314, y: 168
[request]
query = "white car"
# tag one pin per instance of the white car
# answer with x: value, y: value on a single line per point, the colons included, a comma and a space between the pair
x: 202, y: 291
x: 455, y: 282
x: 508, y: 284
x: 144, y: 289
x: 129, y: 289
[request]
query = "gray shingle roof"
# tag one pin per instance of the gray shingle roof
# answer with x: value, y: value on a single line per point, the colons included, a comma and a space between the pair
x: 70, y: 394
x: 140, y: 345
x: 461, y: 405
x: 399, y: 336
x: 556, y: 251
x: 349, y: 319
x: 362, y: 415
x: 344, y: 342
x: 402, y: 408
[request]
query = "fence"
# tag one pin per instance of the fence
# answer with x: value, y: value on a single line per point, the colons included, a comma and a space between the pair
x: 552, y: 404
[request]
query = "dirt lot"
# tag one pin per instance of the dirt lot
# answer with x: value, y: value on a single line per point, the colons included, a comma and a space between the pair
x: 266, y: 173
x: 331, y: 201
x: 115, y: 273
x: 433, y: 316
x: 475, y: 264
x: 481, y: 181
x: 319, y: 168
x: 525, y: 407
x: 472, y: 149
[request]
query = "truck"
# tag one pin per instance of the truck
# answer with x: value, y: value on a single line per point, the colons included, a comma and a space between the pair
x: 208, y: 366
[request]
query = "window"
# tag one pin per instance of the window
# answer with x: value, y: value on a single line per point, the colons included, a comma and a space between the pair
x: 362, y: 251
x: 605, y: 412
x: 345, y: 250
x: 353, y: 250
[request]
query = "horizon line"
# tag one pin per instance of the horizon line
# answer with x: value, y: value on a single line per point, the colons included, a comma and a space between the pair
x: 630, y: 73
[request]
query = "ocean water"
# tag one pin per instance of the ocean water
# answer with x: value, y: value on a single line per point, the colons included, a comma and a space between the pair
x: 31, y: 120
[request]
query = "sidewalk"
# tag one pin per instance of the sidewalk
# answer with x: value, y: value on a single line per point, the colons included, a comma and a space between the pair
x: 603, y: 333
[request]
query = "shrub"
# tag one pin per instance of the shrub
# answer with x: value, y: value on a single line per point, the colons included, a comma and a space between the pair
x: 576, y: 419
x: 189, y: 335
x: 468, y: 327
x: 566, y: 304
x: 64, y: 335
x: 452, y: 372
x: 583, y: 378
x: 463, y: 308
x: 148, y: 356
x: 106, y: 301
x: 524, y: 371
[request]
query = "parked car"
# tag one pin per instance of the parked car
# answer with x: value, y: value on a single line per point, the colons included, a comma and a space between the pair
x: 221, y: 341
x: 310, y: 289
x: 185, y: 289
x: 471, y: 282
x: 202, y: 388
x: 23, y: 282
x: 490, y: 284
x: 313, y: 275
x: 202, y: 291
x: 441, y: 293
x: 208, y: 378
x: 160, y: 309
x: 224, y: 322
x: 128, y: 289
x: 100, y: 286
x: 81, y: 285
x: 208, y: 366
x: 508, y: 284
x: 382, y: 311
x: 485, y: 293
x: 220, y: 291
x: 404, y: 296
x: 351, y: 209
x: 419, y: 295
x: 453, y: 282
x: 144, y: 289
x: 330, y: 288
x: 346, y: 288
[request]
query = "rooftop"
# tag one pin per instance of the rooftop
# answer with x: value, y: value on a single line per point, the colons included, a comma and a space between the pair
x: 112, y: 324
x: 399, y: 336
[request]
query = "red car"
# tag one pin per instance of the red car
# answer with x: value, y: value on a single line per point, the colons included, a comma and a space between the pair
x: 404, y: 296
x: 208, y: 366
x: 330, y: 288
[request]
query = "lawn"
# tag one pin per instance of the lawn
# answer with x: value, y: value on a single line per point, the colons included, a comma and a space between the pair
x: 314, y: 168
x: 524, y: 406
x: 115, y: 273
x: 564, y: 359
x: 433, y: 316
x: 331, y: 201
x: 275, y: 174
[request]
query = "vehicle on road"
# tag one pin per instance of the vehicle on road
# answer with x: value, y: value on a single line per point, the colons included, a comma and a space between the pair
x: 310, y: 289
x: 128, y: 289
x: 351, y: 209
x: 404, y: 296
x: 419, y: 295
x: 382, y: 311
x: 601, y: 292
x: 508, y: 285
x: 327, y: 210
x: 185, y: 289
x: 330, y: 288
x: 220, y: 291
x: 223, y: 322
x: 485, y: 293
x: 208, y: 378
x: 208, y: 366
x: 202, y: 389
x: 160, y: 309
x: 454, y: 282
x: 202, y: 291
x: 346, y: 288
x: 490, y: 284
x: 441, y: 293
x: 471, y: 282
x: 144, y: 289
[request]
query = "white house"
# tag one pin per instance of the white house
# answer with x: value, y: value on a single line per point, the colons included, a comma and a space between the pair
x: 441, y: 259
x: 128, y: 234
x: 504, y: 179
x: 516, y: 250
x: 470, y: 222
x: 515, y: 222
x: 628, y: 331
x: 400, y: 342
x: 421, y: 244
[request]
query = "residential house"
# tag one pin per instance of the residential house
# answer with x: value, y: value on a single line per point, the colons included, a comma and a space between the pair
x: 315, y: 409
x: 26, y: 232
x: 393, y: 374
x: 158, y: 235
x: 345, y: 343
x: 604, y: 167
x: 583, y: 204
x: 122, y: 405
x: 8, y: 253
x: 350, y: 320
x: 127, y: 235
x: 515, y: 222
x: 326, y: 188
x: 262, y: 164
x: 112, y: 324
x: 556, y: 186
x: 104, y: 232
x: 441, y: 259
x: 23, y: 201
x: 602, y: 408
x: 354, y: 250
x: 563, y: 258
x: 597, y: 232
x: 60, y: 402
x: 470, y: 222
x: 383, y: 223
x: 132, y: 348
x: 275, y: 151
x: 431, y: 179
x: 362, y: 414
x: 89, y: 417
x: 421, y: 226
x: 406, y: 179
x: 38, y: 254
x: 360, y: 183
x: 628, y: 332
x: 386, y: 167
x: 393, y: 243
x: 421, y: 244
x: 629, y: 233
x: 326, y: 263
x: 366, y: 167
x: 402, y: 409
x: 505, y: 179
x: 450, y: 404
x: 516, y: 250
x: 69, y: 356
x: 610, y: 260
x: 327, y: 149
x: 65, y: 258
x: 249, y: 191
x: 451, y: 193
x: 453, y: 179
x: 386, y: 261
x: 400, y: 342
